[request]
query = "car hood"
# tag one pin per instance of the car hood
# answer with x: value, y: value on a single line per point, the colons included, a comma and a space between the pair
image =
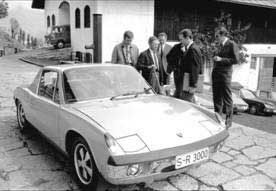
x: 159, y: 121
x: 238, y: 101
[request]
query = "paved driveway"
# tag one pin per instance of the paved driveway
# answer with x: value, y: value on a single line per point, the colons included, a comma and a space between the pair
x: 247, y: 161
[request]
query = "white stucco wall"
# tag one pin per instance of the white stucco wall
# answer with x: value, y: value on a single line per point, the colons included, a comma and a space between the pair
x: 117, y: 17
x: 121, y: 15
x: 51, y: 7
x: 244, y: 74
x: 81, y: 36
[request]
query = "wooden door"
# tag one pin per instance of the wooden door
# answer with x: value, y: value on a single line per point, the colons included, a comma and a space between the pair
x: 265, y: 73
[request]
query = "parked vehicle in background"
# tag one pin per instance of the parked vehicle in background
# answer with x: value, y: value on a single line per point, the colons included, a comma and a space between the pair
x: 256, y: 104
x: 269, y: 97
x: 239, y: 105
x: 59, y: 36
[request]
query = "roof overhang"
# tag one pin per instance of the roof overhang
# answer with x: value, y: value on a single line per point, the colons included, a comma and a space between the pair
x: 257, y: 3
x: 38, y: 4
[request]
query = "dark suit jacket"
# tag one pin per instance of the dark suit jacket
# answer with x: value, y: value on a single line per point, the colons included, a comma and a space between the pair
x: 175, y: 60
x: 192, y: 63
x: 118, y: 56
x: 229, y: 53
x: 145, y: 60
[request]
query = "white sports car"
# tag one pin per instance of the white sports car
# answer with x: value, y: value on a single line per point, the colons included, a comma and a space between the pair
x: 109, y: 121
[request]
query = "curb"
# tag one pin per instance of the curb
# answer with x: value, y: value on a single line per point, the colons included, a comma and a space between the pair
x: 30, y: 62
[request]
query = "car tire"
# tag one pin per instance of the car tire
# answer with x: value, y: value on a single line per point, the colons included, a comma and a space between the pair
x: 84, y: 165
x: 21, y: 117
x: 60, y: 44
x: 253, y: 109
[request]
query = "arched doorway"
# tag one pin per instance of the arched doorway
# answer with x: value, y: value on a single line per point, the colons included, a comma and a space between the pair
x: 64, y: 13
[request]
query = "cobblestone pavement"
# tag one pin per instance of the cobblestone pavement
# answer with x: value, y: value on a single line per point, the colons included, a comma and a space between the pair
x: 28, y: 162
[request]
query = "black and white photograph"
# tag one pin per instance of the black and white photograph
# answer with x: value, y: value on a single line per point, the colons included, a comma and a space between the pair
x: 129, y: 95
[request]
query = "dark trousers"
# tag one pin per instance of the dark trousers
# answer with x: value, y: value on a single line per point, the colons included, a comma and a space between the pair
x: 178, y: 84
x: 222, y: 96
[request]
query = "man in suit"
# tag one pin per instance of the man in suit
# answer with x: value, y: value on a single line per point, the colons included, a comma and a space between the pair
x: 191, y: 65
x: 149, y: 64
x: 185, y: 58
x: 227, y: 55
x: 175, y: 59
x: 163, y: 50
x: 125, y: 52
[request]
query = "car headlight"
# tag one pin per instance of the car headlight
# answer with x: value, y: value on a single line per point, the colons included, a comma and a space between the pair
x: 125, y: 145
x: 132, y: 144
x: 113, y: 146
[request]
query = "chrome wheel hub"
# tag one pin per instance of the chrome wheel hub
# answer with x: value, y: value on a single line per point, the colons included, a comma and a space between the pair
x: 21, y: 116
x: 83, y: 164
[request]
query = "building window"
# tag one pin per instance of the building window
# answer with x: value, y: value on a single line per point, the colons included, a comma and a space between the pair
x: 53, y: 20
x: 48, y: 21
x: 86, y: 17
x: 253, y: 63
x: 77, y: 18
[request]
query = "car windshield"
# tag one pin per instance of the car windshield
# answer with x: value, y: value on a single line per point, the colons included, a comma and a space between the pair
x: 102, y: 82
x: 248, y: 94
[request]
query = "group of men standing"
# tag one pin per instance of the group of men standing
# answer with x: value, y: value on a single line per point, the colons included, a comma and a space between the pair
x: 184, y: 61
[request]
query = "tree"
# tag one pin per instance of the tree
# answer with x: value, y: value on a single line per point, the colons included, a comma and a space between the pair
x: 209, y: 45
x: 20, y: 35
x: 32, y: 42
x: 14, y: 27
x: 28, y: 40
x: 3, y: 9
x: 23, y: 37
x: 35, y: 43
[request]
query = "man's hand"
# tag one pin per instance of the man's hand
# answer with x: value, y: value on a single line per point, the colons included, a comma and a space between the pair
x: 217, y: 58
x: 153, y: 67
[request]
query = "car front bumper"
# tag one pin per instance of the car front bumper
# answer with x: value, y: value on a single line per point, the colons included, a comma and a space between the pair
x: 157, y: 165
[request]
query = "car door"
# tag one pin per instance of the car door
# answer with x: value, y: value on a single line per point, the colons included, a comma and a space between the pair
x: 46, y: 105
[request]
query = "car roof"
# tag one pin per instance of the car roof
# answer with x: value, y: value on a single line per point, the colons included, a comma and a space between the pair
x: 64, y: 67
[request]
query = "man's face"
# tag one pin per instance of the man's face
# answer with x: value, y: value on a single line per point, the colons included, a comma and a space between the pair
x: 154, y: 45
x: 127, y: 41
x: 219, y: 38
x: 183, y: 41
x: 162, y: 39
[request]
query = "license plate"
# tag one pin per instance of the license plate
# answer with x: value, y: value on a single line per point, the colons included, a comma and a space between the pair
x: 191, y: 158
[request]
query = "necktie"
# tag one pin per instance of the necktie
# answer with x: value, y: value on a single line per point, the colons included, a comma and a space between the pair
x: 161, y: 51
x: 128, y: 55
x: 155, y: 60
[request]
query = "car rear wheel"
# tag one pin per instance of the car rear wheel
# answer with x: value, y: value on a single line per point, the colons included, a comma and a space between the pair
x: 84, y: 164
x: 21, y: 117
x: 253, y: 110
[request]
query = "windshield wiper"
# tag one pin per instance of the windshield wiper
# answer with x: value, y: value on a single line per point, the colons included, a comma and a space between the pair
x: 146, y: 91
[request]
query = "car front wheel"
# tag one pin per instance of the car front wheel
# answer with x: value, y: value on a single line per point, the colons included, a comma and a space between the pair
x: 21, y: 117
x: 84, y: 164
